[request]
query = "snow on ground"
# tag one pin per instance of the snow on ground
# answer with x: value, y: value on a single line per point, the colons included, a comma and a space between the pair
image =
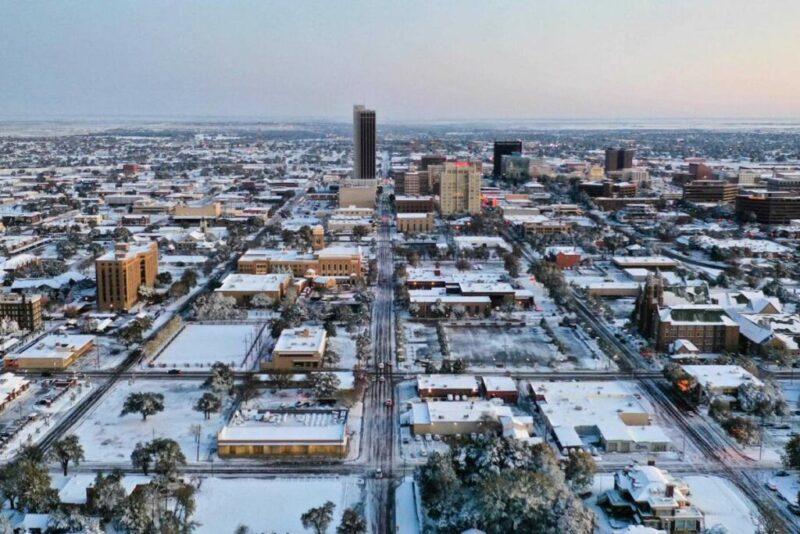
x: 203, y: 344
x: 270, y: 505
x: 344, y: 344
x: 407, y: 507
x: 109, y: 438
x: 31, y: 430
x: 721, y: 503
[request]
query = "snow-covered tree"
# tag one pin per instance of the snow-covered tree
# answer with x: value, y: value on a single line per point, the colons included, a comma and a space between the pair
x: 5, y: 525
x: 319, y: 518
x: 216, y: 307
x: 325, y: 385
x: 499, y: 485
x: 221, y: 379
x: 67, y: 520
x: 66, y: 450
x: 261, y: 301
x: 146, y: 403
x: 208, y: 404
x: 763, y: 400
x: 108, y: 495
x: 352, y: 523
x: 579, y: 470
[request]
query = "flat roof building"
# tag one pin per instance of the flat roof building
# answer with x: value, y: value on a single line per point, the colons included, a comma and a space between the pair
x: 25, y: 310
x: 120, y: 274
x: 298, y: 348
x: 53, y: 352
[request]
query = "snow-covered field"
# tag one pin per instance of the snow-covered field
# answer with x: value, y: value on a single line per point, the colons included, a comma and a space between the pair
x: 203, y: 344
x: 270, y: 505
x: 107, y: 437
x: 344, y: 343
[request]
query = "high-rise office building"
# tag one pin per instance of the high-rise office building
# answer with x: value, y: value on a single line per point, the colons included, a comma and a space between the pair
x: 363, y: 143
x: 460, y: 187
x: 504, y: 148
x: 618, y: 159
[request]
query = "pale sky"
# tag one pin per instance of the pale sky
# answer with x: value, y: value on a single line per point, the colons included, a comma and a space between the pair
x: 409, y: 59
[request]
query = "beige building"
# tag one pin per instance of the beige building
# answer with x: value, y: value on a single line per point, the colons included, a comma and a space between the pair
x: 193, y: 213
x: 53, y: 352
x: 122, y: 272
x: 460, y: 187
x: 243, y: 287
x: 339, y: 262
x: 414, y: 223
x: 316, y: 432
x: 358, y: 193
x: 298, y: 348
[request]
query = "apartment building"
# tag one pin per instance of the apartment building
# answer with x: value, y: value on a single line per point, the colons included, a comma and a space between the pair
x: 460, y: 187
x: 25, y: 310
x: 120, y: 274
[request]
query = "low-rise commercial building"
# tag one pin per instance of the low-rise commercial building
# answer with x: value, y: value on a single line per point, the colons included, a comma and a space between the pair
x: 450, y: 418
x: 336, y: 261
x: 53, y: 352
x: 440, y: 386
x: 184, y: 212
x: 610, y: 415
x: 243, y: 287
x: 264, y: 433
x: 414, y: 223
x: 298, y: 349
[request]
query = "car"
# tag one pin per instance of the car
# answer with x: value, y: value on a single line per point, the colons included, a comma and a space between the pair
x: 795, y: 509
x: 381, y: 366
x: 174, y: 372
x: 381, y: 379
x: 389, y: 403
x: 379, y: 473
x: 423, y: 453
x: 771, y: 486
x: 782, y: 473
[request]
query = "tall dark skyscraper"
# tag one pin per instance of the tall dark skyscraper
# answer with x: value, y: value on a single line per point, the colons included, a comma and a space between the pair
x: 504, y: 148
x: 363, y: 143
x: 619, y: 158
